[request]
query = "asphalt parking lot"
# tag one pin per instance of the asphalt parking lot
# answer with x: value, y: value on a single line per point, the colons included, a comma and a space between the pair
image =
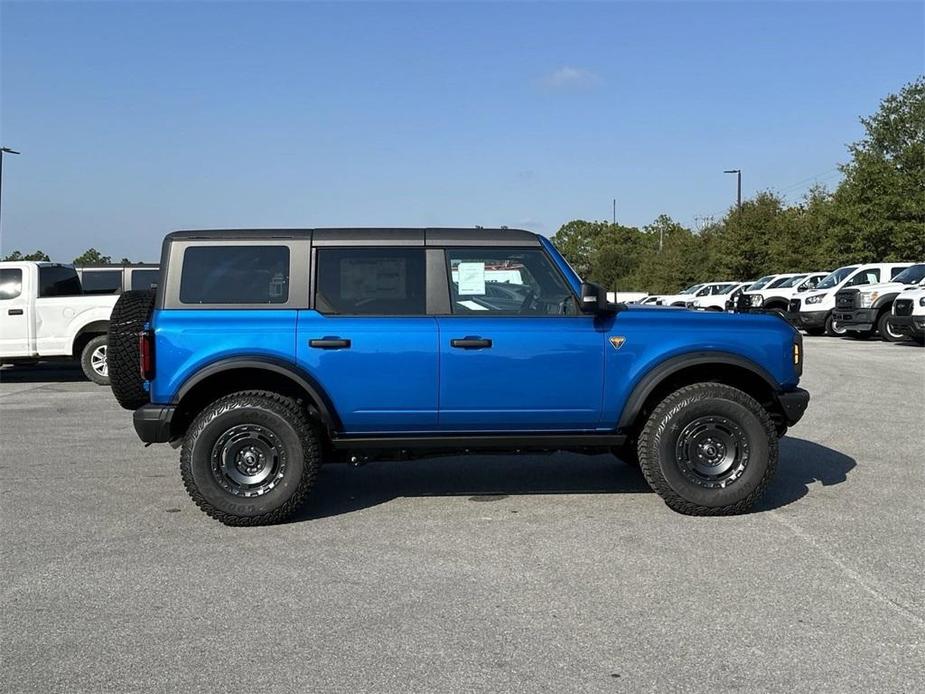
x: 557, y: 573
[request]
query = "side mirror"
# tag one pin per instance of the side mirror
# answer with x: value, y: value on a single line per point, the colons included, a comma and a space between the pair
x: 593, y: 298
x: 803, y: 288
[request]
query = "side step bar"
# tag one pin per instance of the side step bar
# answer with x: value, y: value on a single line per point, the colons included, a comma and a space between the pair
x: 461, y: 442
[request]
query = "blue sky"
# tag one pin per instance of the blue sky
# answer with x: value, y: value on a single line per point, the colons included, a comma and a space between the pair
x: 138, y: 118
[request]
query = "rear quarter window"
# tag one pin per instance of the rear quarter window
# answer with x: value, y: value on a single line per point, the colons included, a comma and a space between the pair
x: 235, y: 275
x: 145, y: 279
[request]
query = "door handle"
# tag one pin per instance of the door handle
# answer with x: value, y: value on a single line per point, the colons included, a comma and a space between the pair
x: 15, y: 311
x: 329, y: 343
x: 469, y: 342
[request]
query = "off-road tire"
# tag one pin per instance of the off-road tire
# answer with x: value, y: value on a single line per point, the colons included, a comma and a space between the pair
x: 296, y: 437
x: 886, y: 330
x: 129, y: 315
x: 831, y: 328
x: 89, y: 357
x: 659, y: 441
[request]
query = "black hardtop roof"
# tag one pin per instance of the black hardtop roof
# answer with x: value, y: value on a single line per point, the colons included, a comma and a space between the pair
x: 371, y: 235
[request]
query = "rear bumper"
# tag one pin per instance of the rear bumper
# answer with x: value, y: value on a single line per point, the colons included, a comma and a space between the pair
x: 152, y: 423
x: 857, y: 318
x: 793, y: 404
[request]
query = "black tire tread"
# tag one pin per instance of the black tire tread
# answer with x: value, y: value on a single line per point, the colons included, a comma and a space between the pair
x: 648, y: 447
x: 128, y: 318
x: 285, y: 407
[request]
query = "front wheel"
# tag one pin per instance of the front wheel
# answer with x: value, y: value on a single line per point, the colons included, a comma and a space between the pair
x: 94, y: 362
x: 708, y: 449
x: 832, y: 328
x: 250, y: 458
x: 887, y: 331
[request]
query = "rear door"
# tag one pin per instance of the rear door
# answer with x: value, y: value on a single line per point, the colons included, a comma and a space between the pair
x: 15, y: 312
x: 368, y: 339
x: 515, y: 353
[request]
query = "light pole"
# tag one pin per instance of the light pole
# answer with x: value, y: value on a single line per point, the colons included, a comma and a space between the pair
x: 4, y: 150
x: 738, y: 173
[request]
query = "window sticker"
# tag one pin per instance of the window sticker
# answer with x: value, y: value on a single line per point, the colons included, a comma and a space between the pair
x: 471, y: 279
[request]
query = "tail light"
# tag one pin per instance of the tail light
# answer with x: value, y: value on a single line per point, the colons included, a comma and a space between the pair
x: 146, y: 354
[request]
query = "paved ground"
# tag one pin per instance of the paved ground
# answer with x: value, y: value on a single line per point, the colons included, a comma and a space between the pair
x: 484, y: 574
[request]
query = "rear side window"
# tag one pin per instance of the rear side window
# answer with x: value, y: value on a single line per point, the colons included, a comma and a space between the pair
x: 235, y: 275
x: 10, y: 283
x: 57, y: 280
x: 370, y: 281
x: 101, y: 281
x: 145, y: 279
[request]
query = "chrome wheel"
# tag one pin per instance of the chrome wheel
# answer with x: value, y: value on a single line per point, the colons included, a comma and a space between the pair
x: 712, y: 452
x: 98, y: 361
x: 248, y: 460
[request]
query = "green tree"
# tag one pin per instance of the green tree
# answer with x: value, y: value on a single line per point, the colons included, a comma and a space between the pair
x: 745, y: 246
x: 91, y: 256
x: 35, y: 255
x: 879, y: 207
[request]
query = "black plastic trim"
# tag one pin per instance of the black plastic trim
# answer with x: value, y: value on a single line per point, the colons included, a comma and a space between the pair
x: 325, y: 406
x: 152, y: 422
x: 667, y: 368
x: 793, y: 404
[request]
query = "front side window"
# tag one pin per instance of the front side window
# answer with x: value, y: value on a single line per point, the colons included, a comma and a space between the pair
x: 101, y: 281
x: 864, y: 277
x: 515, y: 281
x: 145, y: 279
x: 235, y: 275
x: 10, y: 283
x: 58, y: 280
x: 370, y: 281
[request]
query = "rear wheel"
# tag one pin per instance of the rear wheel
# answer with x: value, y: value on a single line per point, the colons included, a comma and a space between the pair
x: 708, y: 449
x: 129, y: 315
x: 250, y: 458
x: 94, y: 362
x: 887, y: 331
x: 831, y: 327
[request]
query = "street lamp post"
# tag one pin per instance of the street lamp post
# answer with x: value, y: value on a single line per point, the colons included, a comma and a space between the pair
x: 738, y: 173
x: 4, y: 150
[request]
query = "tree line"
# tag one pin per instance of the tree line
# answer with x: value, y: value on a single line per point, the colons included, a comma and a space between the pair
x: 876, y: 213
x: 91, y: 256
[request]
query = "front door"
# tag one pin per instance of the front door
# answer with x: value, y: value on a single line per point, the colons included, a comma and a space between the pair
x: 368, y: 340
x: 515, y: 353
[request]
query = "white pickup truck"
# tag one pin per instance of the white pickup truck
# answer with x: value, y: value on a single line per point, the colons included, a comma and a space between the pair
x: 44, y: 314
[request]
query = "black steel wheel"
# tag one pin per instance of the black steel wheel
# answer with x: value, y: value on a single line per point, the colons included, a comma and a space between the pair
x: 708, y: 449
x: 250, y: 458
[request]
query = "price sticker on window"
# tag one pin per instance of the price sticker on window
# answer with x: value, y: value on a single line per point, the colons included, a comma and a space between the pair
x: 471, y: 279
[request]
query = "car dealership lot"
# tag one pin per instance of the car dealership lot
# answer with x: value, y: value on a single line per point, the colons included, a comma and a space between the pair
x: 558, y: 573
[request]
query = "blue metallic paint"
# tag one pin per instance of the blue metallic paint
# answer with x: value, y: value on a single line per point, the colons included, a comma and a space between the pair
x: 401, y: 375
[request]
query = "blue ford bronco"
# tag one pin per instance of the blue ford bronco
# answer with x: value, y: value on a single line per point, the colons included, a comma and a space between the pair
x: 265, y: 353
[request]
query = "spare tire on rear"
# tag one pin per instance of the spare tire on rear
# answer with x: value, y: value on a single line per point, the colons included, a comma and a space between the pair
x: 129, y: 315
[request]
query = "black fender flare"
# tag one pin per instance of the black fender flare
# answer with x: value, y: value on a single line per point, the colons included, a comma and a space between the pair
x: 276, y: 365
x: 885, y: 301
x: 665, y: 369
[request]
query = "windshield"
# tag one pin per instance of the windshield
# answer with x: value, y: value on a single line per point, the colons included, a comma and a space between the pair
x: 911, y: 275
x: 691, y: 289
x: 758, y: 284
x: 791, y: 282
x: 724, y: 288
x: 836, y: 277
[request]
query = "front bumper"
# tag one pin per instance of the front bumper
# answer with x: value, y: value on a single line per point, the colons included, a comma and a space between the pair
x: 806, y: 319
x: 909, y: 325
x: 856, y: 319
x: 152, y: 423
x: 793, y: 404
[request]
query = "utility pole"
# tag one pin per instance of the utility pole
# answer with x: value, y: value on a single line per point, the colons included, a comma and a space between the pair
x: 738, y: 173
x: 4, y: 150
x: 615, y: 212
